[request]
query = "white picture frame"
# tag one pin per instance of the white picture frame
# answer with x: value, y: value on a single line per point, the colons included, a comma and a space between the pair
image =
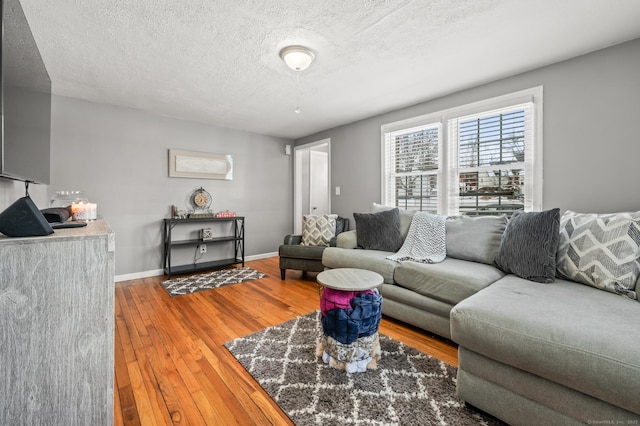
x: 200, y: 165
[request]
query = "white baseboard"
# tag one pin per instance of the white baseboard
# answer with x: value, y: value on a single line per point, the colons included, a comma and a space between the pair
x: 158, y: 272
x: 261, y: 256
x: 139, y: 275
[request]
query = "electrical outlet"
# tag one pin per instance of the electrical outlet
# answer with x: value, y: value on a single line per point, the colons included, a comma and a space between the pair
x: 203, y: 248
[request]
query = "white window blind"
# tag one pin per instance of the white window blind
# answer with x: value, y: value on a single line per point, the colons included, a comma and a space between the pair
x: 412, y: 168
x: 483, y: 158
x: 491, y: 161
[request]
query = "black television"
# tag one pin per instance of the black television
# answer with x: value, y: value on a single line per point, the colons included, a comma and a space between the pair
x: 25, y: 101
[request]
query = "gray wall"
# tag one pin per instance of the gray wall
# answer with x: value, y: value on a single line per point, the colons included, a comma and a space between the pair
x: 591, y: 142
x: 11, y: 190
x: 119, y: 158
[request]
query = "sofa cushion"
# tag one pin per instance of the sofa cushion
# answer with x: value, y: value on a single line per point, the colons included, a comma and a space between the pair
x: 449, y: 281
x: 529, y: 245
x: 347, y: 240
x: 569, y: 333
x: 379, y: 231
x: 601, y: 250
x: 406, y: 216
x: 372, y: 260
x: 318, y: 230
x: 475, y: 238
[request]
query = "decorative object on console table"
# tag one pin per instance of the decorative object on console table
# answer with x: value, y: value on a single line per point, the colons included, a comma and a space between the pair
x: 200, y: 215
x: 199, y: 202
x: 226, y: 213
x: 66, y: 198
x: 206, y: 234
x: 23, y: 219
x: 235, y: 237
x: 84, y: 211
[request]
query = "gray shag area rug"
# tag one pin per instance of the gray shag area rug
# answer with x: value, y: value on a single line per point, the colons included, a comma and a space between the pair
x: 407, y: 388
x: 217, y: 279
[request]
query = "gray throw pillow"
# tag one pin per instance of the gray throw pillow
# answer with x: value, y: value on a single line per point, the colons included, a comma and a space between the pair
x: 476, y: 239
x: 529, y: 245
x: 406, y: 216
x: 317, y: 230
x: 379, y: 231
x: 601, y: 250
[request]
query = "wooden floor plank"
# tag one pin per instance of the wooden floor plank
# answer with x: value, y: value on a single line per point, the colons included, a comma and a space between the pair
x: 171, y: 366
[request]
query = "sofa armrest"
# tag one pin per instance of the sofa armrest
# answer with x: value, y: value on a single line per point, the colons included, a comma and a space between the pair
x: 347, y: 240
x: 293, y: 239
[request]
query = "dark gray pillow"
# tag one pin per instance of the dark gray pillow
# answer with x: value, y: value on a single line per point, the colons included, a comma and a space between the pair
x: 379, y: 231
x: 529, y: 245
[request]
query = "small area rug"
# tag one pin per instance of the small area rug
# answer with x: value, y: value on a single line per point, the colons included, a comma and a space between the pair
x: 408, y: 388
x: 217, y: 279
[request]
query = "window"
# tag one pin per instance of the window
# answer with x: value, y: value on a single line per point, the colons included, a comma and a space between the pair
x: 412, y: 167
x: 480, y: 159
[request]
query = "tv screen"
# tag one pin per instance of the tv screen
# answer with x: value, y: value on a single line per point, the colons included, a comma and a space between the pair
x: 25, y: 91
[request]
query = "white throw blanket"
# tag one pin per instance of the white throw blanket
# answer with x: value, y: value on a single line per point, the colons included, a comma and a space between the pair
x: 426, y: 241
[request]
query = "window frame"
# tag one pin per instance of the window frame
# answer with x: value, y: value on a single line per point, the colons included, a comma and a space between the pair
x: 448, y: 176
x: 416, y: 126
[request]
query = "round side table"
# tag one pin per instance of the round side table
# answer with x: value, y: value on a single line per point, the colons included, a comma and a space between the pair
x: 359, y: 348
x: 349, y: 279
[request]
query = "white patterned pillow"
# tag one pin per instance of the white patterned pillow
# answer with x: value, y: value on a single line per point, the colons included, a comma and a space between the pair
x: 601, y: 250
x: 317, y: 230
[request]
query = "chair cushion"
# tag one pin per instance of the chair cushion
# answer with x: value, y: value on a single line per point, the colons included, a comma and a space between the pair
x: 301, y: 252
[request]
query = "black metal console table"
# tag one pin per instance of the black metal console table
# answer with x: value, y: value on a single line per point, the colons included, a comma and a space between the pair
x: 237, y: 239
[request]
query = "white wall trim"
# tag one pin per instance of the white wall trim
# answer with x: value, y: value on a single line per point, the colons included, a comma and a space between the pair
x: 139, y: 275
x: 297, y: 179
x: 159, y: 272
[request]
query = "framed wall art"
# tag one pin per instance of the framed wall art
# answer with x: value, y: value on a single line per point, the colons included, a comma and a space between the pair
x: 203, y: 165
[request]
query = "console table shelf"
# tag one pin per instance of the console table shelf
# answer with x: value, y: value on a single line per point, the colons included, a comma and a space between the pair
x: 235, y: 237
x: 200, y: 241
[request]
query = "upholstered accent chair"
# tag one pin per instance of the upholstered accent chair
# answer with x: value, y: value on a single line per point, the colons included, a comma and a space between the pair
x: 306, y: 258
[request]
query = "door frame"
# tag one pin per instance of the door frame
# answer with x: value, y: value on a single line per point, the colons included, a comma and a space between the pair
x: 298, y: 169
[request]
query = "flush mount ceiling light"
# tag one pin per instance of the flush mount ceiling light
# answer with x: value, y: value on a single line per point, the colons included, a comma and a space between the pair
x: 298, y: 58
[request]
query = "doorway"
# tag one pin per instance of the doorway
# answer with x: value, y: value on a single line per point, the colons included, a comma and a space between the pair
x: 312, y: 183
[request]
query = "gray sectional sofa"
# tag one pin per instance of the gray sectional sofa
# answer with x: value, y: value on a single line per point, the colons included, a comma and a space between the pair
x: 542, y: 350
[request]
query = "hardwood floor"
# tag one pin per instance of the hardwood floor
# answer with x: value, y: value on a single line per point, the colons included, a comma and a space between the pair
x: 170, y: 363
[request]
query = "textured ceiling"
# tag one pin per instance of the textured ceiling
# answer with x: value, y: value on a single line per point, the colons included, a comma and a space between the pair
x: 216, y: 61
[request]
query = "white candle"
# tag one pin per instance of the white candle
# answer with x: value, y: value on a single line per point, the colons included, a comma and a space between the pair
x: 84, y: 211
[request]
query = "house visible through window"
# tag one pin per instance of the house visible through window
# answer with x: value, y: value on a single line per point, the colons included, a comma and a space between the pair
x: 491, y: 168
x: 482, y: 159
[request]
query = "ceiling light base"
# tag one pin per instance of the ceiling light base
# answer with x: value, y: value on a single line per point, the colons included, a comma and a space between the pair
x: 298, y: 58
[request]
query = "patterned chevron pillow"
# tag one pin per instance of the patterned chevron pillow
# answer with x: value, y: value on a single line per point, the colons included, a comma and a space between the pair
x: 318, y: 229
x: 601, y: 250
